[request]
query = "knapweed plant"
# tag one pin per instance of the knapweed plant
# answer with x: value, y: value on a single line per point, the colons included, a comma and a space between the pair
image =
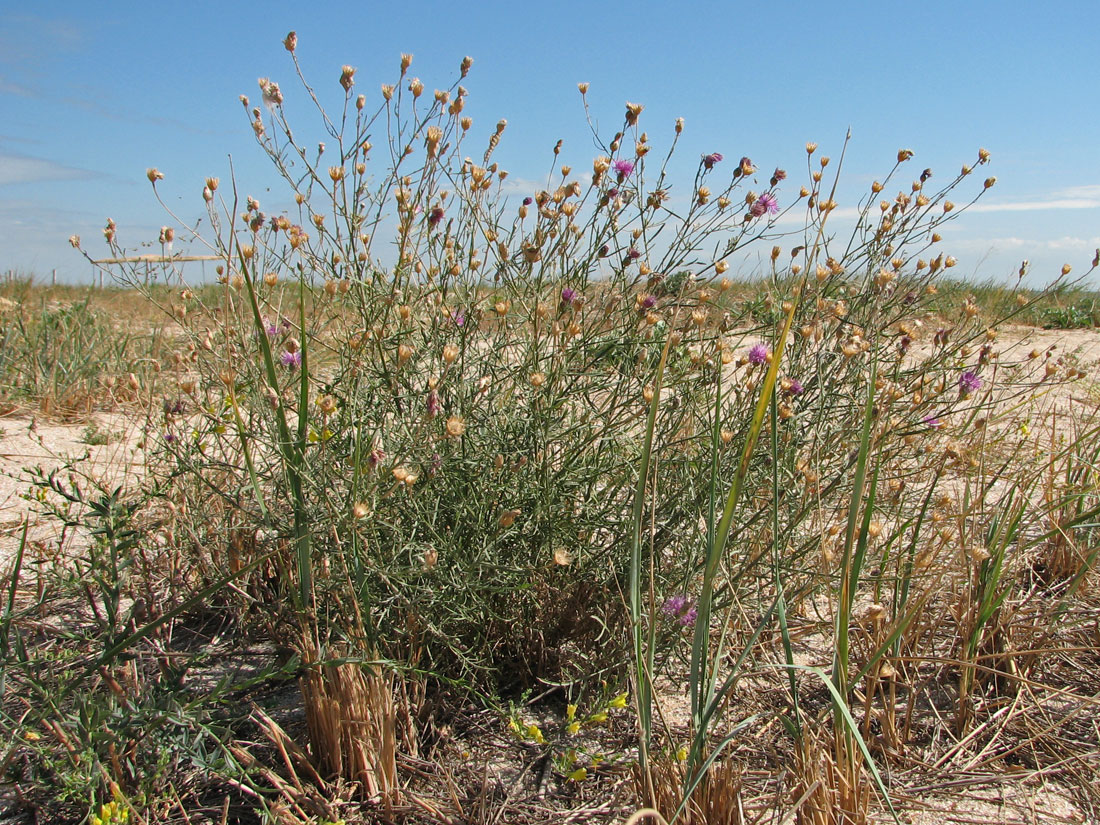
x: 444, y: 434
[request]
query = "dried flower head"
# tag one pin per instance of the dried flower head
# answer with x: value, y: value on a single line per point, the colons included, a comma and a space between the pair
x: 347, y: 77
x: 455, y: 426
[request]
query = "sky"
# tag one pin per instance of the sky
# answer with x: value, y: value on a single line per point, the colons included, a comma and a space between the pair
x: 93, y: 94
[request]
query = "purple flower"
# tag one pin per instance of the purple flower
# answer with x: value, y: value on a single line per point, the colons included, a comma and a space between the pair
x: 649, y: 301
x: 969, y: 382
x: 528, y: 201
x: 436, y: 215
x: 679, y: 607
x: 745, y: 167
x: 777, y: 176
x: 623, y: 168
x: 291, y: 360
x: 174, y: 407
x: 766, y: 204
x: 613, y: 192
x: 711, y: 159
x: 169, y: 437
x: 376, y: 457
x: 758, y: 354
x: 568, y: 295
x: 433, y: 405
x: 633, y: 254
x: 796, y: 387
x: 459, y: 318
x: 932, y: 422
x: 675, y: 605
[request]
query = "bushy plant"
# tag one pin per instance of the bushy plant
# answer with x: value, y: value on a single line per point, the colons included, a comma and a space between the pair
x: 434, y: 433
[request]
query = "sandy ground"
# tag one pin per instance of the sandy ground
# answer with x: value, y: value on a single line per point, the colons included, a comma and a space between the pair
x: 28, y: 445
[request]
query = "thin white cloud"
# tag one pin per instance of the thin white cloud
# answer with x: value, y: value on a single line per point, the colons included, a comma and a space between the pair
x: 1039, y: 205
x: 24, y: 169
x: 1066, y: 243
x: 1090, y: 190
x: 10, y: 87
x: 29, y: 39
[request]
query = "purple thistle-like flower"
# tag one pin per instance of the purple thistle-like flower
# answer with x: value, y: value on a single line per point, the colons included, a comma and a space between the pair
x: 528, y: 201
x: 612, y: 193
x: 623, y: 168
x: 273, y: 330
x: 459, y: 318
x: 169, y: 437
x: 433, y: 405
x: 680, y: 608
x: 932, y: 422
x: 675, y: 605
x: 633, y: 254
x: 291, y: 360
x: 649, y: 301
x: 436, y: 215
x: 758, y: 354
x: 711, y: 159
x: 777, y: 176
x: 969, y: 382
x: 796, y: 387
x: 746, y: 167
x: 768, y: 201
x: 568, y: 295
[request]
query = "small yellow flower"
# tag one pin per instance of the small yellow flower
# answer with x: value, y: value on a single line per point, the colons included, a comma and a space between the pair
x: 573, y: 728
x: 618, y: 702
x: 534, y: 733
x: 579, y: 775
x: 682, y: 754
x: 570, y: 712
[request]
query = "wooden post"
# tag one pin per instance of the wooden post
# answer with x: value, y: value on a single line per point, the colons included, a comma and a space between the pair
x: 53, y: 277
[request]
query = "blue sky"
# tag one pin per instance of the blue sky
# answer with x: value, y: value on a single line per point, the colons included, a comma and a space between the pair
x: 93, y: 94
